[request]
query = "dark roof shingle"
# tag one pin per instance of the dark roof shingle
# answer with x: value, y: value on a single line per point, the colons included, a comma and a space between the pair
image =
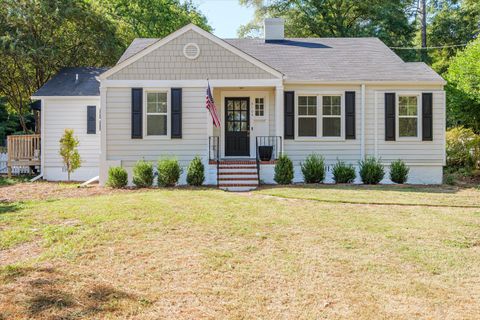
x: 324, y: 59
x: 64, y: 83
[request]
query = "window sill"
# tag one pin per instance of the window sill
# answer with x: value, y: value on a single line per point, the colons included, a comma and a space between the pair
x: 320, y: 139
x: 156, y: 137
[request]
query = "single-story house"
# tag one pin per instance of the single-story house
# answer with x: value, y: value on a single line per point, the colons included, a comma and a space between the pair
x: 342, y: 98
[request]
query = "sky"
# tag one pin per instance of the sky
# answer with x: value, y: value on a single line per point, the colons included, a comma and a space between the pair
x: 225, y: 16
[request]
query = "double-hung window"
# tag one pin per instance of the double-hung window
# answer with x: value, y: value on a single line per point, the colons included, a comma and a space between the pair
x: 157, y: 113
x: 319, y: 116
x: 307, y: 116
x: 408, y: 116
x: 331, y: 116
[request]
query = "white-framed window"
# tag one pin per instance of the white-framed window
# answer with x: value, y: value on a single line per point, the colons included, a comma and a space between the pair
x: 307, y: 116
x: 259, y: 107
x: 408, y: 116
x: 331, y: 116
x: 156, y: 114
x: 320, y: 116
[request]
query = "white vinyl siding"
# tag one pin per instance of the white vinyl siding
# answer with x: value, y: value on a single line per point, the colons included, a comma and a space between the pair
x: 413, y: 151
x: 69, y: 113
x: 121, y: 147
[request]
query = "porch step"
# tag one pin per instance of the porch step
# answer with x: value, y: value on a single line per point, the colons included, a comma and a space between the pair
x: 238, y: 175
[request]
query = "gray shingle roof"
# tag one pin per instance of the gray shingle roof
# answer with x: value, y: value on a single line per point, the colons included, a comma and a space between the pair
x: 324, y: 59
x: 64, y: 83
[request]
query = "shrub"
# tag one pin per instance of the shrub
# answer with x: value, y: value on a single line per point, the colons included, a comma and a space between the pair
x: 371, y: 170
x: 283, y: 170
x: 399, y: 172
x: 449, y: 179
x: 169, y: 172
x: 313, y: 169
x: 462, y: 147
x: 196, y: 172
x: 117, y: 177
x: 343, y: 173
x: 143, y: 174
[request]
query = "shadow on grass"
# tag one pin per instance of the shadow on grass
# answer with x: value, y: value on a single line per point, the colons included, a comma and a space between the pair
x: 47, y: 292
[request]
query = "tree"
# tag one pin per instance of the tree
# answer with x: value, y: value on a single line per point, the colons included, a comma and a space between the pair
x: 69, y: 152
x: 38, y: 37
x: 152, y: 18
x: 463, y: 90
x: 452, y: 24
x: 389, y: 20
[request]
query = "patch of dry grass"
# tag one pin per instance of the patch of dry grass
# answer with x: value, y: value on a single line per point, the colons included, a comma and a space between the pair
x: 207, y: 254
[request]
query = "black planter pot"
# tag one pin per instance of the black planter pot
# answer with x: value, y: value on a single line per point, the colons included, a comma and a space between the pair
x: 265, y: 153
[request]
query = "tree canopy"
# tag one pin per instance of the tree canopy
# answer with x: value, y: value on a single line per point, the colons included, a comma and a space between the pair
x: 463, y: 90
x: 385, y: 19
x: 39, y: 37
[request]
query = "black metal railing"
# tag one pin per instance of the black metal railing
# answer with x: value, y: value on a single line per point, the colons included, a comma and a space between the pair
x: 267, y: 148
x: 214, y: 152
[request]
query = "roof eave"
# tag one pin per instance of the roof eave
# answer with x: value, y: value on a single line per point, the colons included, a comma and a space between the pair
x: 371, y: 82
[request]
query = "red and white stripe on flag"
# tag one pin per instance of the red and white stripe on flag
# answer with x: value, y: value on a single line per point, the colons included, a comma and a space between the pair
x: 212, y: 108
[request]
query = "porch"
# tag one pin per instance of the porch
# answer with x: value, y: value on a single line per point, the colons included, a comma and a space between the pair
x: 23, y: 152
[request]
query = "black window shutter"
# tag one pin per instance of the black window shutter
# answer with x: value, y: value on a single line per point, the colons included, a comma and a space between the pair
x: 137, y: 113
x: 350, y: 115
x: 176, y: 111
x: 91, y: 119
x: 427, y: 119
x: 389, y: 116
x: 289, y: 114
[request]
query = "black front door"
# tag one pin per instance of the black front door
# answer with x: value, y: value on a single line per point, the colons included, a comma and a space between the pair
x: 237, y: 127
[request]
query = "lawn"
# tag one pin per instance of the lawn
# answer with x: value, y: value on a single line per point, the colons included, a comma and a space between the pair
x: 275, y: 253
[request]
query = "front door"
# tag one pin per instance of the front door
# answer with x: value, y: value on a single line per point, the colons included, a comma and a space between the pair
x: 237, y: 127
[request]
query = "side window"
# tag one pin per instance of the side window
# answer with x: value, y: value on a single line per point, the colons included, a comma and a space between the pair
x: 408, y: 116
x: 91, y: 119
x: 156, y: 113
x: 259, y: 107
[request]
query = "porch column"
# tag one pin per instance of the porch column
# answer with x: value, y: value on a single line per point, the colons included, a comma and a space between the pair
x: 279, y: 111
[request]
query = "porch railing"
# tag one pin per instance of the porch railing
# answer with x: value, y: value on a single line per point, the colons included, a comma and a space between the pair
x: 275, y: 142
x: 23, y: 150
x: 214, y: 152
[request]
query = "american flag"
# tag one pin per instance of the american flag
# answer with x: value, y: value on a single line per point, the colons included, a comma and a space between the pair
x: 211, y: 107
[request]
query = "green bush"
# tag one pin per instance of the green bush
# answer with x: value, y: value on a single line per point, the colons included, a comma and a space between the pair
x: 462, y: 147
x: 371, y: 170
x: 313, y: 169
x: 449, y: 179
x: 169, y: 172
x: 196, y: 172
x: 283, y: 170
x: 143, y: 174
x: 399, y: 172
x: 343, y: 173
x: 117, y: 177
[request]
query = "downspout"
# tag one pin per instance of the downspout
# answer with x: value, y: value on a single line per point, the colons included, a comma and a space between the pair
x: 362, y: 122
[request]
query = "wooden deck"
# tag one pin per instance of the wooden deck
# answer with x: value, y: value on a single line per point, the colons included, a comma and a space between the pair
x: 23, y: 151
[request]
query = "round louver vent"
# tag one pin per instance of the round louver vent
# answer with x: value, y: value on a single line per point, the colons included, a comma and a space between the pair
x: 191, y: 51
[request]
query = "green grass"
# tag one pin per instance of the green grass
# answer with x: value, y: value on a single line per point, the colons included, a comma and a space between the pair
x: 5, y: 181
x: 298, y: 252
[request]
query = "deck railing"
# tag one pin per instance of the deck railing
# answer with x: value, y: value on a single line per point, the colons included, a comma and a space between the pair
x: 23, y: 150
